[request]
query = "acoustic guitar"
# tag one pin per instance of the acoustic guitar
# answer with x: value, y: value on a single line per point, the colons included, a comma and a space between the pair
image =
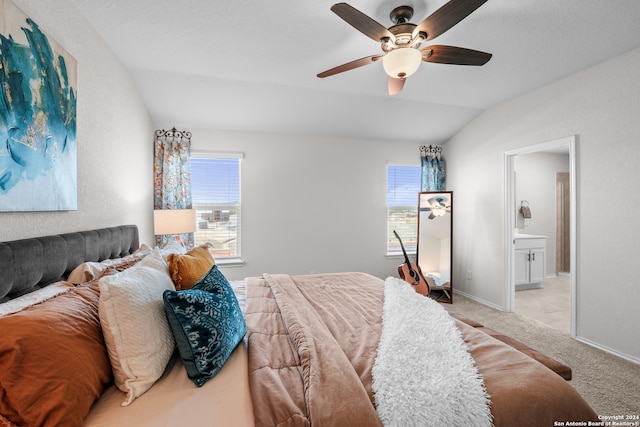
x: 411, y: 273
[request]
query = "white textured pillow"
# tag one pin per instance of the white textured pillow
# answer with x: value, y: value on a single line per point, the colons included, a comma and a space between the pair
x: 172, y: 247
x: 135, y: 327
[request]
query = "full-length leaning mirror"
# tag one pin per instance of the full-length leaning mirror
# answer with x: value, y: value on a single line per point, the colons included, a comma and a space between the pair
x: 435, y: 230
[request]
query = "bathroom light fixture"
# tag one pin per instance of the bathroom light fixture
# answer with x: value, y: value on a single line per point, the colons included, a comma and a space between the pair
x: 402, y: 62
x: 174, y: 221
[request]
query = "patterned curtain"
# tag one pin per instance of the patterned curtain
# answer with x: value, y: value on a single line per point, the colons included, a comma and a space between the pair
x: 172, y: 176
x: 433, y: 166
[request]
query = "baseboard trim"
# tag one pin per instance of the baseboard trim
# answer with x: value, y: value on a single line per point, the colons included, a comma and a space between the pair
x: 529, y: 286
x: 608, y: 350
x: 590, y: 343
x: 478, y: 300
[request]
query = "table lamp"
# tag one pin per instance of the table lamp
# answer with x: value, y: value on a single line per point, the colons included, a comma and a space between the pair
x: 174, y: 221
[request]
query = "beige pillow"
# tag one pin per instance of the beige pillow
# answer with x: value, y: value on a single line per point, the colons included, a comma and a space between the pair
x: 135, y: 327
x: 187, y: 269
x: 88, y: 271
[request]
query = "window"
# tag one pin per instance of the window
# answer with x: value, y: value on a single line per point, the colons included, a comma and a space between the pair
x: 215, y: 190
x: 403, y: 186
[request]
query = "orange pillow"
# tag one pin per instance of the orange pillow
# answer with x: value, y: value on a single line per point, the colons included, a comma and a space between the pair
x: 54, y: 360
x: 187, y: 269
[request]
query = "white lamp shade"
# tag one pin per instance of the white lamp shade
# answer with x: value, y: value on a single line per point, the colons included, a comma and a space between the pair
x: 174, y: 221
x: 400, y: 63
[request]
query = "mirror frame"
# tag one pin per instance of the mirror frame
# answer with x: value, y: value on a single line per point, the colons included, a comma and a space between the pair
x: 445, y: 295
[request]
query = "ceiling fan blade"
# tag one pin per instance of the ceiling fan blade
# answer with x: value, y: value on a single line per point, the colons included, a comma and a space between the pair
x: 395, y: 85
x: 446, y: 17
x: 350, y: 65
x: 361, y: 22
x: 442, y: 54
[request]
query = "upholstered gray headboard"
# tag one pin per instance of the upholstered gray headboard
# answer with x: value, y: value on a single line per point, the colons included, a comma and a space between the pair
x: 29, y: 264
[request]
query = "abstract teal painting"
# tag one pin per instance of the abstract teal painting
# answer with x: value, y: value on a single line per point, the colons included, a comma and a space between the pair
x: 38, y: 147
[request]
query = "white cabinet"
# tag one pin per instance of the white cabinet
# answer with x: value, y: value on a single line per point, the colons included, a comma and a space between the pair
x: 529, y: 260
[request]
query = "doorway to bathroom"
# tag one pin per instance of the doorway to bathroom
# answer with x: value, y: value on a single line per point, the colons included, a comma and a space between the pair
x: 540, y: 206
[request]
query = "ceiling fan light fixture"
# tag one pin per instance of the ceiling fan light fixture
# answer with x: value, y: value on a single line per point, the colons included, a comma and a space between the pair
x: 439, y: 211
x: 400, y: 63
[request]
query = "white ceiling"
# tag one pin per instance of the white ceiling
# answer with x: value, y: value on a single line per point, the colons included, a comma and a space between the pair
x: 251, y: 65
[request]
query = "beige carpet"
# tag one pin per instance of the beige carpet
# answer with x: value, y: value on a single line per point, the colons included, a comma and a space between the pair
x: 610, y: 384
x: 549, y: 304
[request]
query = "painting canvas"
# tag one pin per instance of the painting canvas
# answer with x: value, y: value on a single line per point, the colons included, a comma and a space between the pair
x: 38, y: 147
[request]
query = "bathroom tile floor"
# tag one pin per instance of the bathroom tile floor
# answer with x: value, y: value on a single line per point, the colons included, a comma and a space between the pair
x: 549, y: 304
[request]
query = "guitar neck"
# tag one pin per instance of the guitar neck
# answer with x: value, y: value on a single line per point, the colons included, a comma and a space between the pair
x: 406, y: 257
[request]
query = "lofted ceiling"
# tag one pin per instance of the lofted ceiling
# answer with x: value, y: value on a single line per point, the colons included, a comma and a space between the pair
x: 251, y: 65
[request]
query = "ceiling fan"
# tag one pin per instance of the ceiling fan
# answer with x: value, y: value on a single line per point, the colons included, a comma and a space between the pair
x: 402, y: 42
x: 438, y: 206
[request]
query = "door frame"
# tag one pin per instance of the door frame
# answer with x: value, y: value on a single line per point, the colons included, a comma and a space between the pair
x: 510, y: 211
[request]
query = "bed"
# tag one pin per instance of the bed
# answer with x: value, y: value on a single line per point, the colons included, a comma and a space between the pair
x: 323, y: 350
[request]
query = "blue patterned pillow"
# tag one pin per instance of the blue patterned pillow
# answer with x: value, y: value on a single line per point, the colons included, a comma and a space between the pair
x: 207, y: 324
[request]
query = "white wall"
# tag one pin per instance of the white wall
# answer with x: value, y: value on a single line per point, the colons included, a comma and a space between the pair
x: 601, y: 107
x: 115, y: 136
x: 311, y: 204
x: 536, y: 183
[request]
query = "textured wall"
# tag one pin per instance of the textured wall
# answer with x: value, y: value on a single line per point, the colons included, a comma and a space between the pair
x: 114, y: 131
x: 601, y: 107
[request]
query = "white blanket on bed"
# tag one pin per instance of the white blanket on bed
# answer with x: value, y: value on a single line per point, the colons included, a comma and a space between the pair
x: 423, y: 374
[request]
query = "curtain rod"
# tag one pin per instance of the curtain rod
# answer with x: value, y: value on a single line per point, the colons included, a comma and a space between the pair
x: 431, y: 150
x: 173, y: 133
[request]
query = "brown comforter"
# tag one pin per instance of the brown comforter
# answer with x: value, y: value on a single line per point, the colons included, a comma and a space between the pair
x: 312, y: 345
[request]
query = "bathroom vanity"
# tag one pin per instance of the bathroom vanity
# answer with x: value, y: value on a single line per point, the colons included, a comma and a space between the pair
x: 530, y: 260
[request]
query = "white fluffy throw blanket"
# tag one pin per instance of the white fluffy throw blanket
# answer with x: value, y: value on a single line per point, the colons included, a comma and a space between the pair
x: 423, y: 374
